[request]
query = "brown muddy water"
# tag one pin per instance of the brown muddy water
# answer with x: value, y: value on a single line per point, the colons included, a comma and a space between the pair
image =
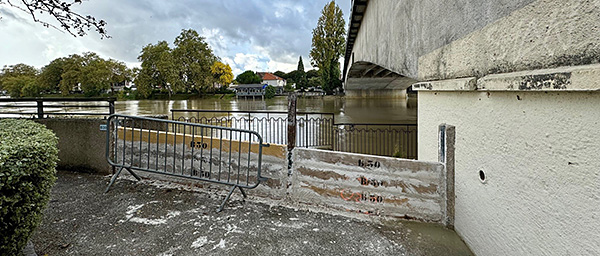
x: 346, y: 110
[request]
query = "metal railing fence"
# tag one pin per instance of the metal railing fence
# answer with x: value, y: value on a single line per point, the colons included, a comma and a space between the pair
x: 314, y: 129
x: 216, y: 154
x: 46, y: 107
x: 397, y: 140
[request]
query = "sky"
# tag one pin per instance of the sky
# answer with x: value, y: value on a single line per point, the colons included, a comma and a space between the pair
x: 259, y: 35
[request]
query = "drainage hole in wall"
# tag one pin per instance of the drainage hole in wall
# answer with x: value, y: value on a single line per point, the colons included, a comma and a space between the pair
x: 481, y: 175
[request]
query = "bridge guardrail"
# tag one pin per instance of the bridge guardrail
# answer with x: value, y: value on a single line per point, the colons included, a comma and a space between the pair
x: 215, y: 154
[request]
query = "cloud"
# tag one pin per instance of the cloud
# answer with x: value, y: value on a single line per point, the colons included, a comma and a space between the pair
x: 262, y: 35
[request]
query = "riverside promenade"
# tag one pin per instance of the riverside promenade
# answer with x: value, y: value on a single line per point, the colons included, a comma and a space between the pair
x: 161, y: 218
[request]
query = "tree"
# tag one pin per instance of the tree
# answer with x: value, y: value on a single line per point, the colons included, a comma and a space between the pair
x: 300, y: 65
x: 71, y: 75
x: 314, y: 82
x: 270, y: 92
x: 20, y: 80
x: 193, y: 60
x: 70, y: 21
x: 119, y: 73
x: 21, y: 86
x: 158, y: 69
x: 328, y: 46
x: 281, y: 74
x: 95, y: 75
x: 248, y: 77
x: 312, y: 73
x: 51, y: 75
x: 222, y: 73
x: 300, y: 75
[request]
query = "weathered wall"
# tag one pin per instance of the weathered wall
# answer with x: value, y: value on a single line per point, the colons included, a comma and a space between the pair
x: 535, y: 137
x: 81, y: 144
x: 395, y: 33
x: 374, y: 185
x: 430, y: 40
x: 543, y: 34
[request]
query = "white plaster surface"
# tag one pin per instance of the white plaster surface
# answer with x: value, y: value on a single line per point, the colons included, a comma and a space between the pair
x: 540, y: 154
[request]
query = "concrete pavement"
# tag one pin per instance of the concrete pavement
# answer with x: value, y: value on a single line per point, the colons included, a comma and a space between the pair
x: 160, y: 218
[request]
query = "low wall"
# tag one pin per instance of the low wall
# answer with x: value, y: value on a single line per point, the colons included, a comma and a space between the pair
x: 81, y: 144
x: 381, y: 186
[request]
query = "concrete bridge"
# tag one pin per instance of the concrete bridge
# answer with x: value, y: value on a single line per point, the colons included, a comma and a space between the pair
x: 394, y: 43
x: 520, y: 82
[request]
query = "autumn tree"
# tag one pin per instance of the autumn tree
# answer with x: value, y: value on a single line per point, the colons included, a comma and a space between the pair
x: 248, y: 77
x: 328, y: 46
x: 74, y: 23
x: 221, y: 73
x: 193, y: 60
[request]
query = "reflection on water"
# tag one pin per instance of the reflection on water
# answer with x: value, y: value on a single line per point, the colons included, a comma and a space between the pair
x: 346, y: 110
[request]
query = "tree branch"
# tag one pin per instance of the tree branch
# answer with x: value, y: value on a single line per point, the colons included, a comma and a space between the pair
x: 70, y: 21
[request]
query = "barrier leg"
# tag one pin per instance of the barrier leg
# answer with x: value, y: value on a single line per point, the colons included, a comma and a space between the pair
x: 114, y: 178
x: 226, y: 198
x: 243, y: 192
x: 134, y: 175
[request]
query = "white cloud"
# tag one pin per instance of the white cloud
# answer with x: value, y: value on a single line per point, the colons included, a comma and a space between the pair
x: 262, y: 35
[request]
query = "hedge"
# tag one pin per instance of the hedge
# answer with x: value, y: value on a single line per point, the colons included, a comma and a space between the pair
x: 28, y: 157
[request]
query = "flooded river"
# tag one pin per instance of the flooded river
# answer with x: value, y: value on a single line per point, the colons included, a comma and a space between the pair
x: 346, y: 110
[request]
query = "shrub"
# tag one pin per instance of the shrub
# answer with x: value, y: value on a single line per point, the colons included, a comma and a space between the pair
x: 270, y: 92
x: 28, y: 157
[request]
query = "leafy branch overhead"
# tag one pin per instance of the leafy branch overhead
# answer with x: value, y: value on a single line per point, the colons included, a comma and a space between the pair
x: 74, y: 23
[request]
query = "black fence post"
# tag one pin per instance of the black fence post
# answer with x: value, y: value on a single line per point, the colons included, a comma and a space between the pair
x: 291, y: 129
x: 111, y: 106
x: 40, y: 109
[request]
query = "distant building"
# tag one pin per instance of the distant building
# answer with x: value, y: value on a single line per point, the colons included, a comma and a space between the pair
x: 255, y: 90
x: 250, y: 90
x: 271, y: 79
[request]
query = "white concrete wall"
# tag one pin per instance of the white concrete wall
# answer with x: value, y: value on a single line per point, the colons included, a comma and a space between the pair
x: 540, y: 152
x: 275, y: 83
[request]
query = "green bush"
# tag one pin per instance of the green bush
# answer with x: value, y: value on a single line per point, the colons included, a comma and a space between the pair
x: 270, y: 92
x: 28, y: 157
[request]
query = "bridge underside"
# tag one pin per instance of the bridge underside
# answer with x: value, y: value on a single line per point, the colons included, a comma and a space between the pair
x: 368, y: 79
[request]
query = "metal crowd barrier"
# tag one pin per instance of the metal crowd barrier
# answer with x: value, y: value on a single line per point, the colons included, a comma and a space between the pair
x: 216, y: 154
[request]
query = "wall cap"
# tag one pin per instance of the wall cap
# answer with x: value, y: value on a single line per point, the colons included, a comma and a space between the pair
x: 584, y: 78
x: 461, y: 84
